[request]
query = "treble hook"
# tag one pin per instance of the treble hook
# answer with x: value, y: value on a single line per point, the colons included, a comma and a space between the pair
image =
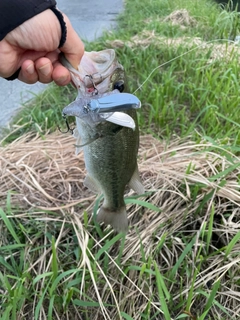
x: 68, y: 127
x: 93, y: 84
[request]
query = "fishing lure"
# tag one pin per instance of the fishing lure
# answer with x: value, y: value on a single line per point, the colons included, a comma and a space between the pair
x: 97, y: 107
x: 106, y: 107
x: 111, y: 102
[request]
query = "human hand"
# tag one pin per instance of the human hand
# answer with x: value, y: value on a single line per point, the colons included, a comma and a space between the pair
x: 33, y: 46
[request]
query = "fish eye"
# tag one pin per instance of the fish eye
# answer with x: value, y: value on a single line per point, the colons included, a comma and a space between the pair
x: 119, y: 85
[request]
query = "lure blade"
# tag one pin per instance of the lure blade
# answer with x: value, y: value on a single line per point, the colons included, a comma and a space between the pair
x: 121, y: 119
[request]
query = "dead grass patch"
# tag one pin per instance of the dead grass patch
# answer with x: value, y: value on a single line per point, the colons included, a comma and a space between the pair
x: 146, y: 38
x: 45, y: 171
x: 182, y: 18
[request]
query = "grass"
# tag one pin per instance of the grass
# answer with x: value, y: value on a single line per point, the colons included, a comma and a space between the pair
x: 181, y: 258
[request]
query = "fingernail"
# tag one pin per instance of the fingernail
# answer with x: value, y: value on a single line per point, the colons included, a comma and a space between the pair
x: 30, y: 69
x: 62, y: 80
x: 46, y: 69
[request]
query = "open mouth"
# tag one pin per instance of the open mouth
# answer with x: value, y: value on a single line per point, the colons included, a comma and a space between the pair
x: 96, y: 68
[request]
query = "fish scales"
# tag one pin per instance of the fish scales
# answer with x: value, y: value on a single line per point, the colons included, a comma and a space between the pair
x: 110, y: 150
x: 115, y: 145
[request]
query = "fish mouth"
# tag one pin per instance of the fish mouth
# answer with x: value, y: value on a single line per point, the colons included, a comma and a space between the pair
x: 94, y: 74
x: 98, y: 74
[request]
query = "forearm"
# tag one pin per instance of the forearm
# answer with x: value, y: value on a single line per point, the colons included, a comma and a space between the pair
x: 14, y: 12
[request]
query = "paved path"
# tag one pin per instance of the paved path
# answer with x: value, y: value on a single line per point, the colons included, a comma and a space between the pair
x: 89, y: 18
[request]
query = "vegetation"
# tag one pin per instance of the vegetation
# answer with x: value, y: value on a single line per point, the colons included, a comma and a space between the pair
x: 181, y: 257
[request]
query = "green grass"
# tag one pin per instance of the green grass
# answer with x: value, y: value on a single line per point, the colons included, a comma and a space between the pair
x: 42, y: 114
x: 185, y: 266
x: 46, y: 272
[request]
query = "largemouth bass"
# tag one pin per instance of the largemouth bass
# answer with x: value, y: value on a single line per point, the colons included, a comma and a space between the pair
x: 110, y: 148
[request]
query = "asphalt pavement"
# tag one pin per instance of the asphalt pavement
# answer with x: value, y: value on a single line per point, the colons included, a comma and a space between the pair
x: 90, y: 18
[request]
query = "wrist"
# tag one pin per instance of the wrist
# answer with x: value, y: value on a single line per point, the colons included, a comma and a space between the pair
x: 63, y: 26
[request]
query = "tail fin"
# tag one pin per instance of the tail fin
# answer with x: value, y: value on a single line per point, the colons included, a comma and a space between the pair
x: 117, y: 219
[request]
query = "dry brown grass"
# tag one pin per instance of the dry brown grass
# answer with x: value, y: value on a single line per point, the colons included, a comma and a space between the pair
x: 181, y: 18
x: 146, y: 38
x: 45, y: 174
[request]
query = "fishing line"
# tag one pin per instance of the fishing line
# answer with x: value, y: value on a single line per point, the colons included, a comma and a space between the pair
x: 181, y: 55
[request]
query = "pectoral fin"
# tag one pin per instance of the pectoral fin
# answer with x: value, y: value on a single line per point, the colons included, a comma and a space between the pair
x: 91, y: 184
x: 135, y: 183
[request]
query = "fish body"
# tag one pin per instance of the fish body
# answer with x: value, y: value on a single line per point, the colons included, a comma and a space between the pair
x: 110, y: 150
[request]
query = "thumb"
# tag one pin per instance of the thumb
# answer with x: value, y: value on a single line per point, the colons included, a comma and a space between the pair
x: 73, y: 47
